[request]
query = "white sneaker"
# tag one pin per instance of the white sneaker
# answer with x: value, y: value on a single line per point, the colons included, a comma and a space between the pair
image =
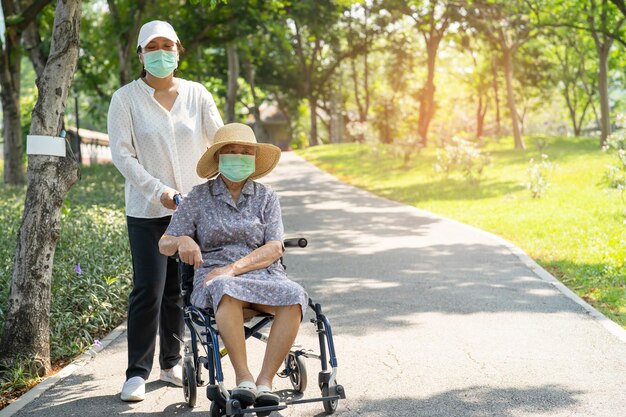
x: 134, y: 389
x: 173, y: 375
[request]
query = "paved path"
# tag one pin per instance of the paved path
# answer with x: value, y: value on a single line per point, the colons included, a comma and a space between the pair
x: 431, y: 318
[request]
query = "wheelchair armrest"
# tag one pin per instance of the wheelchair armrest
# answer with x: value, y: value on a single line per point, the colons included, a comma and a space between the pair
x: 295, y: 242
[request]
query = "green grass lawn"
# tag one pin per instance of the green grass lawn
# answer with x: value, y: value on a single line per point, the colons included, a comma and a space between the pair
x: 576, y: 230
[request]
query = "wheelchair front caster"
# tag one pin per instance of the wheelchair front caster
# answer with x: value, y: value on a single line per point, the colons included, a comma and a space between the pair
x: 296, y: 369
x: 330, y: 406
x: 189, y: 381
x: 215, y: 410
x: 233, y: 408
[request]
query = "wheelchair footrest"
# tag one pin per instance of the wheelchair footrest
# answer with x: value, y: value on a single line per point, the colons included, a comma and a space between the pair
x: 313, y: 400
x: 250, y: 410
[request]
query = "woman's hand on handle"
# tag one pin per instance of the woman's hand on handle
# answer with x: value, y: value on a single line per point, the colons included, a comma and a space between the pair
x: 167, y: 198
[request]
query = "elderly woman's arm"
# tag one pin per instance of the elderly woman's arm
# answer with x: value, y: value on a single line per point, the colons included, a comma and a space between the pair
x: 187, y: 248
x: 257, y: 259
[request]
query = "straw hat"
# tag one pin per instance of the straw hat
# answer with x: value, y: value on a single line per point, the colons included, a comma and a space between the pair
x: 267, y: 155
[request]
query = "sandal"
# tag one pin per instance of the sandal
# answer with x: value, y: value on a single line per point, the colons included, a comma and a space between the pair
x: 245, y: 393
x: 265, y: 397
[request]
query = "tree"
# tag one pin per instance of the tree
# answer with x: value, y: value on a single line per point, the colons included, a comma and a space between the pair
x: 621, y: 5
x: 26, y: 330
x: 508, y: 25
x: 361, y: 27
x: 432, y: 20
x: 314, y: 36
x: 479, y: 78
x: 604, y: 22
x: 255, y: 98
x: 605, y: 25
x: 578, y: 76
x: 312, y: 39
x: 126, y: 17
x: 535, y: 79
x: 18, y: 17
x: 232, y: 85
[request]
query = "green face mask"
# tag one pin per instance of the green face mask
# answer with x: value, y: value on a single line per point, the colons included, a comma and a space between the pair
x: 160, y: 63
x: 236, y: 167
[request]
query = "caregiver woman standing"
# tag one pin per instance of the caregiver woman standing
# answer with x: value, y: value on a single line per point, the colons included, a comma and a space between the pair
x: 159, y: 126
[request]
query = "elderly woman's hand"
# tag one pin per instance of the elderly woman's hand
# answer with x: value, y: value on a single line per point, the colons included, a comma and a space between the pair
x: 187, y: 248
x: 228, y: 270
x: 189, y: 251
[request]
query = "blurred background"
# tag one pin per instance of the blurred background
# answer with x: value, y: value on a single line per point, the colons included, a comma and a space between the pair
x: 408, y: 73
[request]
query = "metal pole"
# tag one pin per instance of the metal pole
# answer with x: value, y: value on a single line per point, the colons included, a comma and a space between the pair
x: 78, y: 153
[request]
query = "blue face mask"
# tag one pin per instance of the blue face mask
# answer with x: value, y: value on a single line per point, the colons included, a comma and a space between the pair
x: 160, y: 63
x: 236, y: 167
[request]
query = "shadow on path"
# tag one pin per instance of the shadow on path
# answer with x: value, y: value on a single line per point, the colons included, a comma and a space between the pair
x: 394, y: 261
x: 475, y: 401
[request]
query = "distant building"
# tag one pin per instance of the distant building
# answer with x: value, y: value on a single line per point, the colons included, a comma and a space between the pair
x: 275, y: 124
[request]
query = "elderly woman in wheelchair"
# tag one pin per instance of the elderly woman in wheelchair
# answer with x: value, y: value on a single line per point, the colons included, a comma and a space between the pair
x: 230, y: 229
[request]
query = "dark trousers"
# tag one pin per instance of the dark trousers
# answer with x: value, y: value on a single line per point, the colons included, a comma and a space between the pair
x: 155, y: 303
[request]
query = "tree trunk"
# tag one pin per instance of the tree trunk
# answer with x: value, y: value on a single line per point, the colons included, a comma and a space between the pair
x: 427, y: 99
x: 259, y: 130
x: 27, y: 326
x: 233, y: 75
x: 387, y: 128
x: 336, y: 118
x: 313, y: 118
x: 128, y: 26
x: 603, y: 90
x: 32, y: 44
x: 10, y: 96
x: 481, y: 111
x: 363, y: 107
x: 578, y: 130
x: 494, y: 69
x: 571, y: 107
x: 13, y: 148
x: 507, y: 58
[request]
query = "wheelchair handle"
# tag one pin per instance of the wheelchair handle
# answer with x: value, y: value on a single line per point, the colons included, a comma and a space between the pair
x: 295, y: 242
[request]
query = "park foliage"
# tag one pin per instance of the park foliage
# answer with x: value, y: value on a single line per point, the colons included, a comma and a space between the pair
x: 92, y: 274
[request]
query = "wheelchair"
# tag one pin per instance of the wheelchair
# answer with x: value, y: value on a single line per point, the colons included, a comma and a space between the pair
x: 203, y: 331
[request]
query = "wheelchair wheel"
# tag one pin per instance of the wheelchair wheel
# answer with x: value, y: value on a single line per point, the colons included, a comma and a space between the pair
x: 330, y: 406
x: 189, y: 382
x: 297, y: 372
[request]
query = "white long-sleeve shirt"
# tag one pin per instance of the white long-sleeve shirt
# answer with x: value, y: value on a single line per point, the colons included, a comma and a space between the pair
x: 154, y: 148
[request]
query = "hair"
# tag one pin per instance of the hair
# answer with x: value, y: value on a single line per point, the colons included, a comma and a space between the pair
x: 180, y: 49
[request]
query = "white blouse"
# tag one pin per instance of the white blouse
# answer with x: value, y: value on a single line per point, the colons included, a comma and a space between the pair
x: 154, y: 148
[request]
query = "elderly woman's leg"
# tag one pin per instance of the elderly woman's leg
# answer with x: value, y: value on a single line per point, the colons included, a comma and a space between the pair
x: 282, y: 335
x: 229, y: 317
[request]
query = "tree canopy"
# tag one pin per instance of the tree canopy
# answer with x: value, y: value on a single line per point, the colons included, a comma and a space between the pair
x: 337, y: 70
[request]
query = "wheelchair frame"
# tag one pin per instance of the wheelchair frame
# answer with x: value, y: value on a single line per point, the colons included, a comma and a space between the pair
x: 203, y: 328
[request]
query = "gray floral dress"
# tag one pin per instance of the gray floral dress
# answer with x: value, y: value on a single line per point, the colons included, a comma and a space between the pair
x: 226, y: 232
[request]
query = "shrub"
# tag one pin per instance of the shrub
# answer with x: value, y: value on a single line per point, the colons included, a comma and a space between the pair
x: 463, y: 156
x: 541, y: 143
x: 615, y: 176
x: 538, y: 172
